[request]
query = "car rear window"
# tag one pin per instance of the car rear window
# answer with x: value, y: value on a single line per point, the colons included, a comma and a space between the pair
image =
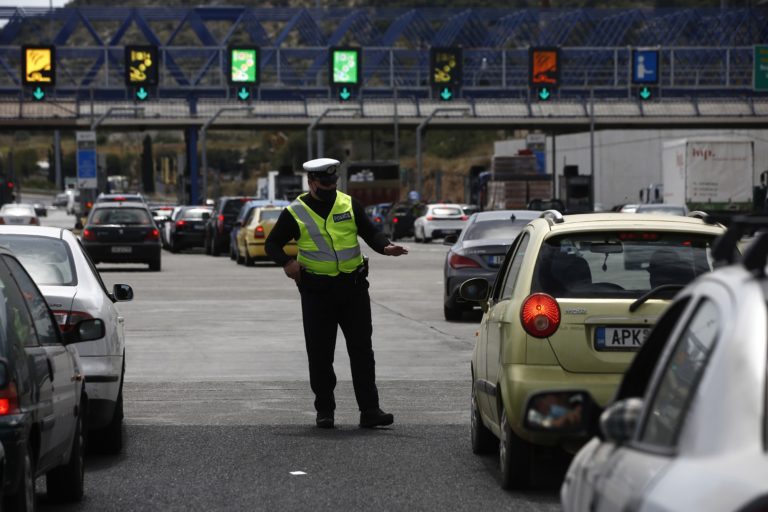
x: 233, y: 206
x: 499, y: 228
x: 48, y: 260
x: 623, y: 264
x: 124, y: 216
x: 194, y: 213
x: 272, y: 214
x: 18, y: 210
x: 445, y: 212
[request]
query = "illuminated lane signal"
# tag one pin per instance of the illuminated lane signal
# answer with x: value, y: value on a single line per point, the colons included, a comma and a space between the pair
x: 544, y: 71
x: 446, y: 70
x: 244, y: 62
x: 38, y: 68
x: 141, y: 69
x: 345, y: 66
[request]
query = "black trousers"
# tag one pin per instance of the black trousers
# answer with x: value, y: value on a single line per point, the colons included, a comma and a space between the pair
x: 326, y: 304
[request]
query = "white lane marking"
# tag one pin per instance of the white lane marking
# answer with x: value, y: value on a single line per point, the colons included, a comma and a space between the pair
x: 297, y: 473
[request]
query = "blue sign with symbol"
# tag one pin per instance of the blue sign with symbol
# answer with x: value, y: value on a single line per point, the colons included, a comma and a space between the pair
x: 86, y: 159
x: 645, y: 66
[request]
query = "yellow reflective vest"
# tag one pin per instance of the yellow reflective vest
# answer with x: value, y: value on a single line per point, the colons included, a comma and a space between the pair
x: 327, y: 246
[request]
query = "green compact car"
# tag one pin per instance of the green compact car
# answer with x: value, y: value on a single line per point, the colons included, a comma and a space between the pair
x: 570, y: 307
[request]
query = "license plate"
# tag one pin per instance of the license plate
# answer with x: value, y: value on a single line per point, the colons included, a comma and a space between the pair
x: 121, y: 249
x: 199, y: 227
x: 496, y: 260
x: 620, y: 338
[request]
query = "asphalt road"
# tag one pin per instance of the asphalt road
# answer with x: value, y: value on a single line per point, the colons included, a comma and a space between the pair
x: 219, y: 412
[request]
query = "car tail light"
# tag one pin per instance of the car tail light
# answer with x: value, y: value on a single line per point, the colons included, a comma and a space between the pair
x: 68, y: 319
x: 429, y: 217
x: 154, y: 234
x: 34, y: 220
x: 220, y: 224
x: 9, y: 399
x: 180, y: 223
x: 89, y: 204
x: 377, y: 220
x: 540, y: 315
x: 459, y: 261
x: 2, y: 220
x: 89, y: 234
x: 258, y: 232
x: 464, y: 217
x: 395, y: 220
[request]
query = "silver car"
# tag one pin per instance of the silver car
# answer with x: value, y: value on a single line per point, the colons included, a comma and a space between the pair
x: 74, y: 291
x: 688, y: 428
x: 479, y: 251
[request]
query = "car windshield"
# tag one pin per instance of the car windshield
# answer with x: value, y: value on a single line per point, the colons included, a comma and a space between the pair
x: 48, y: 260
x: 233, y: 206
x: 120, y: 199
x: 446, y: 211
x: 497, y: 228
x: 17, y: 209
x: 124, y: 216
x: 383, y: 211
x: 271, y: 214
x: 620, y: 264
x: 194, y: 213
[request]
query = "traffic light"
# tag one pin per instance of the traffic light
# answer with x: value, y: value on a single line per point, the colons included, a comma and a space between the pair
x: 345, y: 65
x: 141, y: 69
x: 544, y: 71
x: 645, y: 71
x: 243, y: 70
x: 38, y: 68
x: 446, y: 71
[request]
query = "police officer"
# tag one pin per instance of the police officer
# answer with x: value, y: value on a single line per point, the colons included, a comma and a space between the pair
x: 330, y: 273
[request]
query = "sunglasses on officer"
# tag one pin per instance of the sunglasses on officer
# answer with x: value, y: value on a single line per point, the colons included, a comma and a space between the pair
x: 326, y: 177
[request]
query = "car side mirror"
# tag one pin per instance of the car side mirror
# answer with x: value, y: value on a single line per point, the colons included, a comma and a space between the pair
x: 476, y: 290
x: 122, y: 292
x: 450, y: 239
x: 562, y: 412
x: 619, y: 421
x: 85, y: 330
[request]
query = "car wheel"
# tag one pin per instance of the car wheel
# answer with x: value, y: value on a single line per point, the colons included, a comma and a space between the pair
x: 65, y: 483
x: 154, y: 265
x: 215, y: 249
x: 249, y: 262
x: 514, y: 458
x: 207, y: 244
x: 24, y: 499
x: 483, y: 440
x: 416, y: 238
x: 451, y: 314
x: 174, y: 248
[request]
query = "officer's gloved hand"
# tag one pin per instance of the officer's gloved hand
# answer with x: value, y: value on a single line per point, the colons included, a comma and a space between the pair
x: 292, y: 269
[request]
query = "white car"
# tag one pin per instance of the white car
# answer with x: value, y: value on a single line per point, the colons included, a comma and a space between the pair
x: 688, y: 428
x: 74, y: 291
x: 19, y: 213
x: 438, y: 221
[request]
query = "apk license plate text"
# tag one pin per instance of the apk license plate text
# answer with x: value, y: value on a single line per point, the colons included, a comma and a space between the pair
x: 620, y: 338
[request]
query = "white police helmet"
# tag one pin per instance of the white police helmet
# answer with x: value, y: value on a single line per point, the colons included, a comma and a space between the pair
x: 323, y: 169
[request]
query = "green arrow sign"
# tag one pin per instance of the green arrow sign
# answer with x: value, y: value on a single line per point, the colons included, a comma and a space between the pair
x: 243, y: 94
x: 760, y: 72
x: 344, y: 94
x: 446, y: 94
x: 38, y: 94
x: 645, y: 93
x: 544, y: 94
x: 142, y: 94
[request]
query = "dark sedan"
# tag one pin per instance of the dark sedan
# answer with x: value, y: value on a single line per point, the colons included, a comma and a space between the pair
x: 188, y: 228
x: 479, y: 251
x: 122, y: 233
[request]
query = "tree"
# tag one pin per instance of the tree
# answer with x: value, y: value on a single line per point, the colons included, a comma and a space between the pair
x: 147, y: 167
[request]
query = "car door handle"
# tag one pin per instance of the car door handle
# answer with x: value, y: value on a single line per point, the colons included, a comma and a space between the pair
x: 77, y: 377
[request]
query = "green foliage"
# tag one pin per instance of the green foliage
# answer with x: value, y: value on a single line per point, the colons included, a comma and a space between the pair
x: 25, y: 162
x: 225, y: 160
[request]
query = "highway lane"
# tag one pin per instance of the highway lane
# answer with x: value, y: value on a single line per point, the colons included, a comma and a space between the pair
x: 219, y: 410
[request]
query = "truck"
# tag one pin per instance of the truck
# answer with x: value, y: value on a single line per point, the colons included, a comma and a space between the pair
x: 713, y: 175
x: 513, y: 183
x: 282, y: 186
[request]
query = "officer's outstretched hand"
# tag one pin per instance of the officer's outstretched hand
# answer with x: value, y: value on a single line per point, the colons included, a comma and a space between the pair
x: 292, y: 269
x: 395, y: 250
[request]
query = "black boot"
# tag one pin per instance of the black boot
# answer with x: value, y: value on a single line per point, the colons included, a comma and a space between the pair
x: 324, y: 419
x: 375, y: 418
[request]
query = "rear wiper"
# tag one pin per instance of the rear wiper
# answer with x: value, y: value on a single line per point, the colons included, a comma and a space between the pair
x: 651, y: 293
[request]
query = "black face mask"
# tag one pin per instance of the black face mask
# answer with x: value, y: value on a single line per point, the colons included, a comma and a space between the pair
x: 327, y: 196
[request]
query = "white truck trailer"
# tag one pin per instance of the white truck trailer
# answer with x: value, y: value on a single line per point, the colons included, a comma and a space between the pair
x: 709, y: 174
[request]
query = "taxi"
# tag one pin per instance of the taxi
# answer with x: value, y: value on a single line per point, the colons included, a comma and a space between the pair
x: 569, y: 309
x: 254, y: 231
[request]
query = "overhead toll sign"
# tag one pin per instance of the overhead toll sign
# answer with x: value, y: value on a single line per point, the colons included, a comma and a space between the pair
x: 141, y: 65
x: 345, y: 65
x: 243, y: 70
x: 38, y: 66
x: 544, y: 70
x: 760, y: 73
x: 446, y: 71
x: 645, y: 71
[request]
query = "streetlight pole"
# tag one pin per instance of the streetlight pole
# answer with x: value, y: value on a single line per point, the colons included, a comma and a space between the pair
x: 419, y: 131
x: 203, y: 149
x: 319, y: 118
